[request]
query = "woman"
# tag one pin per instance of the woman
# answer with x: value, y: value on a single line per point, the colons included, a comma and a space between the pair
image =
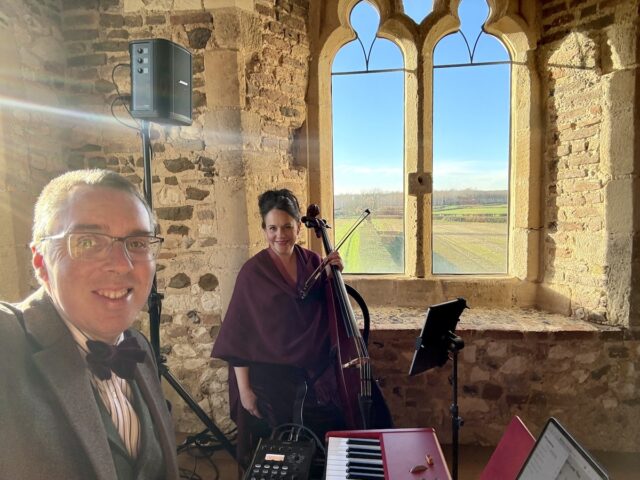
x: 277, y: 344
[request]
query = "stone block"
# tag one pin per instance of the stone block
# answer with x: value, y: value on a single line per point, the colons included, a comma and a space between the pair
x: 133, y: 20
x: 223, y: 128
x: 619, y: 122
x: 208, y: 282
x: 111, y: 21
x: 192, y: 18
x: 196, y: 193
x: 248, y: 5
x: 514, y: 365
x: 91, y: 60
x: 175, y: 213
x: 223, y: 78
x: 176, y: 165
x: 181, y: 280
x: 619, y: 205
x: 198, y: 37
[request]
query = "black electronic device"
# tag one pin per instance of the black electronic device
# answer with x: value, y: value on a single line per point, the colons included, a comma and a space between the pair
x: 437, y: 338
x: 557, y: 455
x: 435, y: 345
x: 161, y: 74
x: 281, y: 460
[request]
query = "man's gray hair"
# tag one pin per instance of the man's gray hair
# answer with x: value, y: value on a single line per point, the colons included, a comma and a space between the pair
x: 55, y: 194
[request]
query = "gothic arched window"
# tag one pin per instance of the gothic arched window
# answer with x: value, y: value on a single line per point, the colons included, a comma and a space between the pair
x: 368, y: 159
x: 421, y: 122
x: 471, y: 112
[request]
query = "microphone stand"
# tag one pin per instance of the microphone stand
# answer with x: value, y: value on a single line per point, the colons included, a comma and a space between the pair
x: 155, y: 308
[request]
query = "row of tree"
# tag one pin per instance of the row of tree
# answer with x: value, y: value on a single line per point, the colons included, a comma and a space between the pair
x: 392, y: 203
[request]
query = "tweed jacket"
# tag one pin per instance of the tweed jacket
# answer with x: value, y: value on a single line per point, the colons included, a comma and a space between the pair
x: 50, y: 422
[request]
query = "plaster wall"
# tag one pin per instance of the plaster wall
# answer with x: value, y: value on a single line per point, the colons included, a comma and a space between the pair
x: 32, y: 83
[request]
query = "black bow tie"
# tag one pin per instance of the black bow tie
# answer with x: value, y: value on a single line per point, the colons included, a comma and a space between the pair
x: 120, y: 359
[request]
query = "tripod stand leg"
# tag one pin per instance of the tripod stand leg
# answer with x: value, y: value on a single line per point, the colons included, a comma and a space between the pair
x: 217, y: 433
x: 155, y: 308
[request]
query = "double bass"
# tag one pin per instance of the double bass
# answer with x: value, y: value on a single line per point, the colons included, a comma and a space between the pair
x: 362, y: 401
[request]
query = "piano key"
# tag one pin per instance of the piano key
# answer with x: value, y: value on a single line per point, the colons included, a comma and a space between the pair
x: 357, y: 458
x: 365, y: 476
x: 353, y: 461
x: 362, y: 441
x: 346, y: 465
x: 402, y: 449
x: 361, y: 476
x: 372, y: 448
x: 345, y: 462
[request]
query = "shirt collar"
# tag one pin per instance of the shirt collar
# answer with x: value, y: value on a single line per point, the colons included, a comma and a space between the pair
x: 79, y: 335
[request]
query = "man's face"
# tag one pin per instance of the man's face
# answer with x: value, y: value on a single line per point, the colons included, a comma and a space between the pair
x: 101, y: 297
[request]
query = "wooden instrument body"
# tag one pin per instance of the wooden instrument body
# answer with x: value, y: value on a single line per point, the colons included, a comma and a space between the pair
x: 363, y: 404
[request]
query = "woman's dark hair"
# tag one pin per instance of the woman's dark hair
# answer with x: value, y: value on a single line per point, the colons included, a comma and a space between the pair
x: 282, y: 199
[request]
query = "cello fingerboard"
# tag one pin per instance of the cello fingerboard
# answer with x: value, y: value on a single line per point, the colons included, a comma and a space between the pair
x: 385, y: 454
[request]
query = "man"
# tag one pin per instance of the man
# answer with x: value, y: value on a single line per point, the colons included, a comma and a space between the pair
x: 70, y: 406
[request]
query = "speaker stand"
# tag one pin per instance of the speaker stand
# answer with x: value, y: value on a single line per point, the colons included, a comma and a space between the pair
x: 155, y: 309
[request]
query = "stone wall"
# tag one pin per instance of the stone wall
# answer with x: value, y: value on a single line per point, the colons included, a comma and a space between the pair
x: 31, y: 89
x: 515, y: 362
x: 588, y: 54
x: 251, y: 68
x: 250, y: 74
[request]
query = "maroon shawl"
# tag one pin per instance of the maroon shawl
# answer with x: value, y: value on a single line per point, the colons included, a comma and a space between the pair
x: 268, y: 324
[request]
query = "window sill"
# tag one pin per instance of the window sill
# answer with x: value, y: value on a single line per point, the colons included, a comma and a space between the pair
x: 502, y: 322
x: 485, y: 291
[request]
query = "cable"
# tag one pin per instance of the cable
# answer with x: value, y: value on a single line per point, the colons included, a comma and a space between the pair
x: 204, y: 441
x: 299, y: 428
x: 113, y: 79
x: 121, y: 98
x: 197, y: 452
x: 116, y: 117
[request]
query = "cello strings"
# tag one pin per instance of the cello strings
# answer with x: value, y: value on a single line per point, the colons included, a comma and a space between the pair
x: 313, y: 278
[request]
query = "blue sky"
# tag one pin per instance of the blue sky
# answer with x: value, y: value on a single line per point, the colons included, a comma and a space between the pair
x: 471, y: 108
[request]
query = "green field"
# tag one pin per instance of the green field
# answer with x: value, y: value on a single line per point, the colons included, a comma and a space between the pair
x: 466, y: 239
x: 376, y: 246
x: 469, y: 247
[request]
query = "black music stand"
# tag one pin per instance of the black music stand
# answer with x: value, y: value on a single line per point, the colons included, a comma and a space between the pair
x: 436, y: 341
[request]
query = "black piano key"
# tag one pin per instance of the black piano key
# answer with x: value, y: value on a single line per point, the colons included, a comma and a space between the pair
x: 365, y: 476
x: 364, y: 454
x: 370, y: 448
x: 363, y: 441
x: 368, y: 469
x: 368, y: 463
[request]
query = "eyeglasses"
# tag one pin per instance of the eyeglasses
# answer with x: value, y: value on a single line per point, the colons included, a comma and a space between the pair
x: 97, y: 246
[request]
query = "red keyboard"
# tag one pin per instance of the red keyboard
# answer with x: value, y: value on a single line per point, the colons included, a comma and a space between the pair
x: 385, y: 454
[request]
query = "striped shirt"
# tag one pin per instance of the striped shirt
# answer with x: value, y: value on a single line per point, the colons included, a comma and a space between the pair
x: 116, y: 396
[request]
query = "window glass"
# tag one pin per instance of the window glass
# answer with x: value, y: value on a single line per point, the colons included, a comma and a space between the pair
x: 417, y: 9
x: 471, y: 112
x: 368, y: 149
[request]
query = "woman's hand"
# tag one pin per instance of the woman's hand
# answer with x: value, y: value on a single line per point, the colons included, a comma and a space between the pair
x: 334, y: 259
x: 248, y: 398
x: 249, y: 402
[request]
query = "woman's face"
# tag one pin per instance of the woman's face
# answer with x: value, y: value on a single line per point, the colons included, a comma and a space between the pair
x: 281, y: 231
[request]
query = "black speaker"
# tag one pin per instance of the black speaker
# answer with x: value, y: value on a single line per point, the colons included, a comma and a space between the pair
x: 160, y: 81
